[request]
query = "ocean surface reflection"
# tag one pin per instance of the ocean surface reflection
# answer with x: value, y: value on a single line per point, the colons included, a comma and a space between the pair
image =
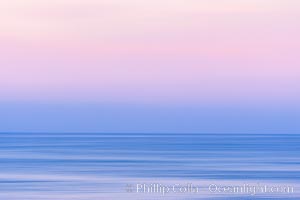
x: 124, y: 166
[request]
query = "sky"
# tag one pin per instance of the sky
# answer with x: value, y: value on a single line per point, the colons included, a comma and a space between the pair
x: 195, y: 66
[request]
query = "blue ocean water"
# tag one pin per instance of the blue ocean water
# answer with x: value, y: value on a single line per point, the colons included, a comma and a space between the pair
x: 91, y: 166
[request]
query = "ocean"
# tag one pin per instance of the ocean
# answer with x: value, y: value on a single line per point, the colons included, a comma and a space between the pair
x: 108, y: 166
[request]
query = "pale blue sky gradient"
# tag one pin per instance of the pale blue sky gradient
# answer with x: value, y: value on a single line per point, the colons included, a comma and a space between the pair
x: 138, y: 118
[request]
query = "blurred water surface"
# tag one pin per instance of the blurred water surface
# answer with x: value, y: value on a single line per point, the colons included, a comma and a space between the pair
x: 109, y: 166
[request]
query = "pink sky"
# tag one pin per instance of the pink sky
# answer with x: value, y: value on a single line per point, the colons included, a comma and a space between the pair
x: 220, y: 51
